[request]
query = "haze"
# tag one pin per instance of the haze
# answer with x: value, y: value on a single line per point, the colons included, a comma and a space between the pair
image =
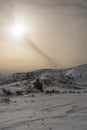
x: 56, y: 28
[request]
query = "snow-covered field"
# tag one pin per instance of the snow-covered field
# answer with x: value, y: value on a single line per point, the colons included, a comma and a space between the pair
x: 65, y: 110
x: 44, y: 112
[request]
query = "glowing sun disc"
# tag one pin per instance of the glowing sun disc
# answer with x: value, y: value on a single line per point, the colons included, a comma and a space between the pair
x: 18, y: 29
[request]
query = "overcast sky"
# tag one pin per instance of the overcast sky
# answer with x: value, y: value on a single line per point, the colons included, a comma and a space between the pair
x: 57, y: 28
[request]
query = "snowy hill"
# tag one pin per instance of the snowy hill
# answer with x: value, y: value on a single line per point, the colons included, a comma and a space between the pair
x: 72, y: 77
x: 2, y: 77
x: 66, y: 110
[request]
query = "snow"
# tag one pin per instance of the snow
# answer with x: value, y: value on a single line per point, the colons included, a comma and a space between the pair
x: 76, y: 76
x: 44, y: 112
x: 66, y: 110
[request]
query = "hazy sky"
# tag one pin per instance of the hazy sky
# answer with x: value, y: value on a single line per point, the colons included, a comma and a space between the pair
x: 57, y: 30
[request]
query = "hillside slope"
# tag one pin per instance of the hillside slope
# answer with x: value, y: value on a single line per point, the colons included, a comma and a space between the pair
x: 72, y: 77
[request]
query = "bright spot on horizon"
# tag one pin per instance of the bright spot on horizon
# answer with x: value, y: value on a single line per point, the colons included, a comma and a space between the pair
x: 18, y: 29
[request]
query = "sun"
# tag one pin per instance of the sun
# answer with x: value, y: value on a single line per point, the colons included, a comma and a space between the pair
x: 18, y: 29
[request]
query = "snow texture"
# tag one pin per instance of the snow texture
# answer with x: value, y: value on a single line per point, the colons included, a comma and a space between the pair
x: 64, y: 110
x: 44, y: 112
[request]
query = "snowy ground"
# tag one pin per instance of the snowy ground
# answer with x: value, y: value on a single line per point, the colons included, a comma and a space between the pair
x: 44, y: 112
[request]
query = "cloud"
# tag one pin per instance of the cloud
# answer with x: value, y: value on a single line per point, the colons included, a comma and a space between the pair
x: 50, y: 61
x: 49, y: 3
x: 60, y: 27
